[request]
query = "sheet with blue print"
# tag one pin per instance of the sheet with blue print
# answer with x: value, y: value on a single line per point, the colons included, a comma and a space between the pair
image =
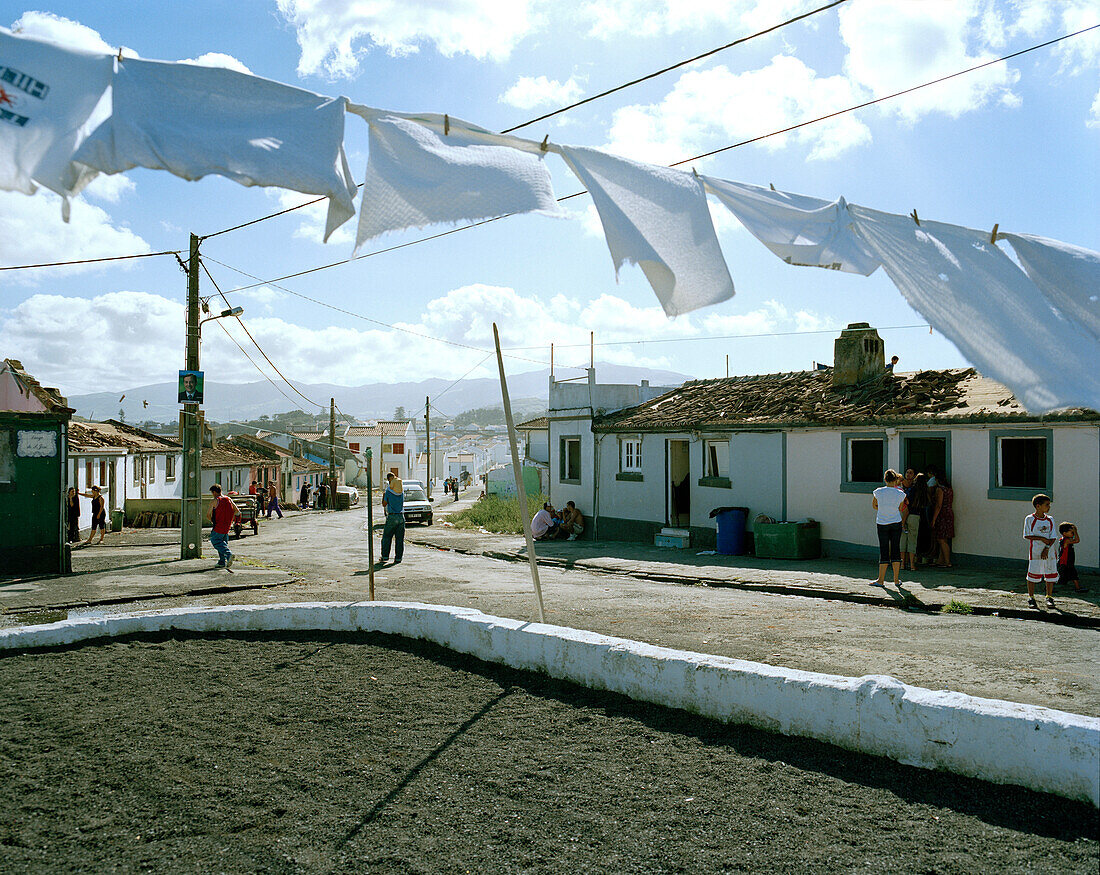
x: 426, y: 169
x: 658, y: 219
x: 971, y: 291
x: 193, y: 121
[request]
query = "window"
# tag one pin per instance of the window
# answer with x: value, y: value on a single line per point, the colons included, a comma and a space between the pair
x: 863, y: 461
x: 630, y: 455
x: 399, y: 449
x: 387, y: 448
x: 103, y: 473
x: 139, y: 470
x: 570, y: 460
x: 152, y: 469
x: 89, y: 473
x: 1021, y: 463
x: 169, y: 467
x: 716, y: 458
x: 354, y: 446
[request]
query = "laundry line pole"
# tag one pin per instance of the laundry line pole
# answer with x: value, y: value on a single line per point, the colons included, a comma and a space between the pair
x: 521, y: 490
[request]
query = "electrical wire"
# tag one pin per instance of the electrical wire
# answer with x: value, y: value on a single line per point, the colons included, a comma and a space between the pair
x: 174, y: 252
x: 562, y: 109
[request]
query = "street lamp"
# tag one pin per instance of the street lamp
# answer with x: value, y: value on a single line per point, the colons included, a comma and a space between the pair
x: 191, y: 516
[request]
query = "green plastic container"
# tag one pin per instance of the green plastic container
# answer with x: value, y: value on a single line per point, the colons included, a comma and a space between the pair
x: 117, y: 519
x: 787, y: 540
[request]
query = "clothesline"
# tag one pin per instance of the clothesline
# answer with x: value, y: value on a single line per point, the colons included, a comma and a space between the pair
x: 1034, y: 327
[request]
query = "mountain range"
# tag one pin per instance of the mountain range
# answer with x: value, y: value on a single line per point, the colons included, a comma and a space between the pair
x: 226, y: 402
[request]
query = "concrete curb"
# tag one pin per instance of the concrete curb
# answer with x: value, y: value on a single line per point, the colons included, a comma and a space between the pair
x: 1002, y: 742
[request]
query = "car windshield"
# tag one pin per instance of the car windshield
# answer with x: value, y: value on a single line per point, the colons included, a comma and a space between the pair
x: 415, y: 494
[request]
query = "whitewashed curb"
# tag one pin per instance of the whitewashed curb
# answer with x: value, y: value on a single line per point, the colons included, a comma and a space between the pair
x: 1003, y: 742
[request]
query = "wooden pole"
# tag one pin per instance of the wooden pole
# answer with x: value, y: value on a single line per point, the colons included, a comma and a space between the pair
x: 521, y: 490
x: 428, y: 447
x: 190, y: 430
x: 370, y: 524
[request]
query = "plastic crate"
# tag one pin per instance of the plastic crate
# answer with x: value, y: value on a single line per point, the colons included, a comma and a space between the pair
x: 678, y: 542
x: 787, y: 540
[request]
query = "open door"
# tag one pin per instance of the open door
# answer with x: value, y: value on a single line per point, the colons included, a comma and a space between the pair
x: 678, y: 465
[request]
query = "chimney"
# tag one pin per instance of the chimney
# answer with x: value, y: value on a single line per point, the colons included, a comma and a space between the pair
x: 858, y: 354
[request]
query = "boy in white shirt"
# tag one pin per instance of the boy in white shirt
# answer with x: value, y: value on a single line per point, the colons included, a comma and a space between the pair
x: 1042, y: 561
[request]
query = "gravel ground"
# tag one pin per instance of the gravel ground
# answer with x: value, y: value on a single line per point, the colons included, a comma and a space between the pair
x: 342, y: 753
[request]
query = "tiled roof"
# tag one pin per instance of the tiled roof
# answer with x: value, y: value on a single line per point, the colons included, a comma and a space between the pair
x: 307, y: 466
x: 84, y: 436
x: 252, y: 444
x: 310, y: 435
x: 382, y: 428
x: 537, y: 422
x: 51, y: 398
x: 808, y: 398
x: 228, y: 456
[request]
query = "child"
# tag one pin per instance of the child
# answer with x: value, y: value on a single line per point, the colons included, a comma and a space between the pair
x: 1039, y: 534
x: 1067, y: 569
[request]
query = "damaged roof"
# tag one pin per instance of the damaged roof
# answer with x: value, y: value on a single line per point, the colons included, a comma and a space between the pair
x: 808, y: 399
x: 85, y: 436
x: 51, y: 399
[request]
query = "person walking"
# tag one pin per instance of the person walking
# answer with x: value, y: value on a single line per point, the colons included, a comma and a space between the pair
x: 273, y: 501
x: 890, y: 518
x: 223, y: 513
x: 99, y: 514
x: 72, y: 514
x: 393, y: 502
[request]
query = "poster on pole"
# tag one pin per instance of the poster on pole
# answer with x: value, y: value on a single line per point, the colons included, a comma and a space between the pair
x: 190, y: 386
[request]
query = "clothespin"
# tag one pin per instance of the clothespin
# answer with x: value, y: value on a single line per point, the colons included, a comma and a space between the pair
x: 913, y: 215
x: 446, y: 124
x: 695, y: 172
x: 120, y: 54
x: 544, y: 144
x: 771, y: 185
x: 993, y: 236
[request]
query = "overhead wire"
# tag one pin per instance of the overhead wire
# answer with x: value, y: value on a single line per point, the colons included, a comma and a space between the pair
x: 174, y: 252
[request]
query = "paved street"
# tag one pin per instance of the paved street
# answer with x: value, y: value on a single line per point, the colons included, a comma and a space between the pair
x: 818, y: 616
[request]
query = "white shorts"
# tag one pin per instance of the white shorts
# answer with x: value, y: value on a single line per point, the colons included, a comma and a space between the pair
x: 1043, y: 569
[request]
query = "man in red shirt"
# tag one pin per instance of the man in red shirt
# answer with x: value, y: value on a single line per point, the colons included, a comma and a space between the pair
x: 223, y: 512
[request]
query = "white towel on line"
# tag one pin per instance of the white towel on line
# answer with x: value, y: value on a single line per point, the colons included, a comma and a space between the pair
x: 424, y: 169
x: 971, y: 291
x: 803, y: 231
x: 1068, y: 275
x: 47, y: 96
x: 193, y: 121
x: 657, y: 218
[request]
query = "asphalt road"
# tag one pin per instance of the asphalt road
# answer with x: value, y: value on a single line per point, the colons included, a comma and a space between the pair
x: 996, y: 657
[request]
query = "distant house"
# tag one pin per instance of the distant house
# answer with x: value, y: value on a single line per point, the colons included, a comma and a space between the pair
x: 276, y: 465
x: 34, y: 433
x: 814, y: 444
x: 392, y: 444
x: 536, y: 439
x: 229, y: 466
x: 130, y: 466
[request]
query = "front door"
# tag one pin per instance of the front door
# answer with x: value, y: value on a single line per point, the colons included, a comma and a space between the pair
x: 678, y: 465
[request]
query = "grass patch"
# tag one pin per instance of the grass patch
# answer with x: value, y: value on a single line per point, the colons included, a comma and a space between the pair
x: 956, y: 607
x: 496, y: 514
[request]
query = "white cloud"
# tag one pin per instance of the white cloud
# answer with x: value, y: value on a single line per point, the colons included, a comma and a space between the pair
x: 311, y: 219
x: 31, y: 231
x: 110, y: 188
x: 708, y: 108
x: 333, y: 34
x: 261, y: 300
x: 62, y: 31
x: 1093, y: 120
x: 531, y: 91
x: 896, y: 44
x: 613, y: 18
x: 218, y: 59
x: 146, y: 331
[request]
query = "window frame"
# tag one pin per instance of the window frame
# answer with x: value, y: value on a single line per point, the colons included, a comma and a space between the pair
x: 715, y: 478
x: 861, y: 486
x: 169, y: 467
x: 1018, y: 493
x: 563, y: 459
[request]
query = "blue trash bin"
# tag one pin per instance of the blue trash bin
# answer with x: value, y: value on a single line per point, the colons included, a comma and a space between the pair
x: 731, y: 530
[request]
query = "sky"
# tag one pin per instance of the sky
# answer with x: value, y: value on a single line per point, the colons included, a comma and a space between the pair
x: 1015, y: 144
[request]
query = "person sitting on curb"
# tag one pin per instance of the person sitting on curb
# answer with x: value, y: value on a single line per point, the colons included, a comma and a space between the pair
x: 544, y: 526
x: 572, y: 523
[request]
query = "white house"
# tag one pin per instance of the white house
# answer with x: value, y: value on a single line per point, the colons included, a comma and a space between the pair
x: 814, y: 444
x: 392, y: 444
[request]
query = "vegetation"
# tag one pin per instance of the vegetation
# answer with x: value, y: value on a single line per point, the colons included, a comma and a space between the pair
x: 294, y: 420
x: 495, y: 514
x: 956, y: 607
x: 522, y: 409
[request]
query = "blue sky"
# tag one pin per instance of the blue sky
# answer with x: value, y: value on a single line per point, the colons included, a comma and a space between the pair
x: 1015, y: 144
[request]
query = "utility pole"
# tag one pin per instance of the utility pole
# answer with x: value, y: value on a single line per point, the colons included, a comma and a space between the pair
x: 190, y: 427
x: 332, y: 452
x: 428, y: 445
x: 370, y: 524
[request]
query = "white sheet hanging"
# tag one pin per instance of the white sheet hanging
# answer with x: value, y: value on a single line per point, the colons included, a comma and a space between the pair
x: 425, y: 169
x: 657, y: 218
x: 193, y: 121
x: 47, y: 94
x: 1068, y: 275
x: 803, y: 231
x: 983, y: 303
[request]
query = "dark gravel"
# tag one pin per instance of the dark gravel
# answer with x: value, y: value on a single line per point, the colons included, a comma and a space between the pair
x: 360, y: 753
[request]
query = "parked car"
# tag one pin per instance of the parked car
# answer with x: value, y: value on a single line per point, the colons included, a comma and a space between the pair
x: 418, y: 508
x: 351, y: 492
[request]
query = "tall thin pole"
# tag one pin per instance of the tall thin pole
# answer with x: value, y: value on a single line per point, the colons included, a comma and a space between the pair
x: 521, y: 490
x: 551, y: 361
x: 191, y: 493
x: 727, y: 364
x: 591, y: 349
x: 428, y: 446
x: 370, y: 524
x: 332, y: 454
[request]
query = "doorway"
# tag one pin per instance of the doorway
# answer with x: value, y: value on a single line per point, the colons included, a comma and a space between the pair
x: 678, y: 465
x: 925, y: 451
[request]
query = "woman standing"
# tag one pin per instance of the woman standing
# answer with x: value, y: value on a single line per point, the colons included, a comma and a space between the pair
x: 99, y: 515
x: 72, y: 510
x: 943, y: 517
x: 892, y: 510
x: 917, y: 500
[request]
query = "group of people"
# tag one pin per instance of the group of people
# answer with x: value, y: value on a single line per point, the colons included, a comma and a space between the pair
x: 72, y: 514
x: 915, y: 516
x: 315, y: 495
x: 451, y: 487
x: 268, y: 498
x: 549, y: 524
